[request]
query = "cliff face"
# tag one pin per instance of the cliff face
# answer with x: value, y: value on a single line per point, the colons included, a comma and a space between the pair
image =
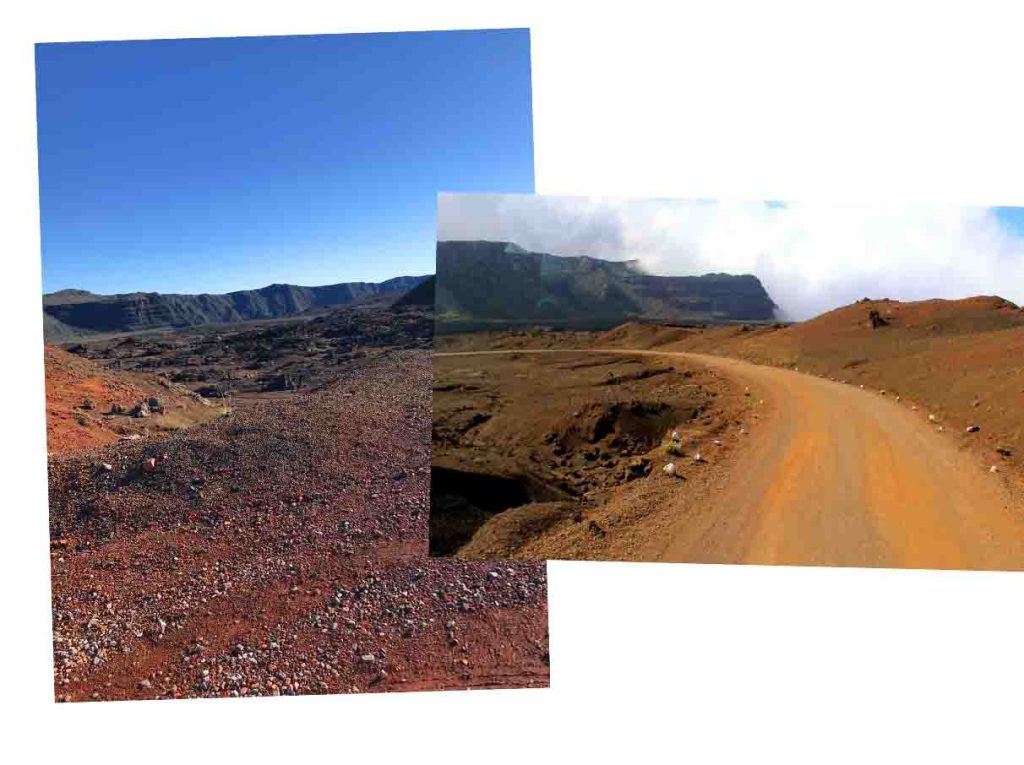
x: 84, y: 311
x: 419, y: 297
x: 501, y: 282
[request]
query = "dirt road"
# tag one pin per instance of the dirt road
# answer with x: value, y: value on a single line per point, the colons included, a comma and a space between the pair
x: 831, y: 474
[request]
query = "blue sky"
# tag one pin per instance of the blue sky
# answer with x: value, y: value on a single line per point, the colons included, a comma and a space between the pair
x: 211, y: 165
x: 1012, y: 218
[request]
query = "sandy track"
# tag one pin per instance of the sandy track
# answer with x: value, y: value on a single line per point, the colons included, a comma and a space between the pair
x: 831, y: 474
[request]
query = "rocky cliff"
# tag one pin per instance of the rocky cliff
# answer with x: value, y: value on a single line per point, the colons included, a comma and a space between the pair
x: 499, y: 282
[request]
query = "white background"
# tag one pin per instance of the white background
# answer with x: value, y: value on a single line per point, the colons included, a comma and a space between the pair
x: 853, y: 101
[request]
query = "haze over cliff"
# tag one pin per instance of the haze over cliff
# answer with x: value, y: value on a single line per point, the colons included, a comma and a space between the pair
x: 500, y: 282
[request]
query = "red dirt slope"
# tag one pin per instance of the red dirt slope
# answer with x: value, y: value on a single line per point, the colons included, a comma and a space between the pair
x: 959, y: 360
x: 80, y: 395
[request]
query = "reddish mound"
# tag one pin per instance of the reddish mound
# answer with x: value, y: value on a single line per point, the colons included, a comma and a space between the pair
x: 81, y: 397
x: 636, y: 335
x: 944, y: 317
x: 840, y: 339
x: 958, y: 359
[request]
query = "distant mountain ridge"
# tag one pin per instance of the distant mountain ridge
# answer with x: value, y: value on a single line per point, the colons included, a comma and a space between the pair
x: 70, y: 312
x: 483, y: 281
x: 420, y: 296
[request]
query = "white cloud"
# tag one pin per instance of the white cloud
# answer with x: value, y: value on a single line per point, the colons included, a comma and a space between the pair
x: 811, y: 257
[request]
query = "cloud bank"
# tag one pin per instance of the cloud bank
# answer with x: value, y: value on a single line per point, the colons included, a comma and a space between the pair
x: 811, y: 257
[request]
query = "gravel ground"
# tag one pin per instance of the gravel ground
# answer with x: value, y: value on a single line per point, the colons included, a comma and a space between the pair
x: 280, y: 550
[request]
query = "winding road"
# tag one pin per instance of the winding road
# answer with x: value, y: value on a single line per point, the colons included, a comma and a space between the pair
x: 837, y: 475
x: 831, y: 474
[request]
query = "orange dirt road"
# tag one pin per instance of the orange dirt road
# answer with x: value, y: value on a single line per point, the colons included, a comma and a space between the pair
x: 833, y: 475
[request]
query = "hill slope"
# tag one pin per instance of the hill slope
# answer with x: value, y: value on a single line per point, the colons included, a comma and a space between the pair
x: 961, y: 361
x: 77, y: 310
x: 89, y: 406
x: 500, y: 282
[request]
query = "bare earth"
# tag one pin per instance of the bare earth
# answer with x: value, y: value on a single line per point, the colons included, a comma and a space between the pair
x: 276, y: 549
x: 809, y: 471
x: 837, y: 475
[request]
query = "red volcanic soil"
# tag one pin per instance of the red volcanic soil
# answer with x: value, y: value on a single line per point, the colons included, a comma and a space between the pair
x: 880, y: 433
x: 80, y: 395
x: 959, y: 360
x: 280, y: 550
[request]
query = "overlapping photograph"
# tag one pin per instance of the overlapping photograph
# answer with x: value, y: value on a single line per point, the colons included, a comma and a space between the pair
x: 237, y: 236
x: 726, y: 382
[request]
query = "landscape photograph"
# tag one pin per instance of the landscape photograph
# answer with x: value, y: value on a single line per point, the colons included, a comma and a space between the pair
x: 238, y: 297
x: 728, y: 382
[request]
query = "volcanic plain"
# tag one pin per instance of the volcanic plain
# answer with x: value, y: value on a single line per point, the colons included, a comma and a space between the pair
x: 242, y: 510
